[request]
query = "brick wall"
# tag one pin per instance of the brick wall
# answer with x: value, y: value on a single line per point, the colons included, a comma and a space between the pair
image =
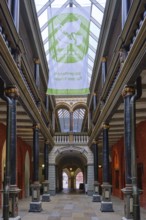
x: 118, y: 163
x: 22, y: 148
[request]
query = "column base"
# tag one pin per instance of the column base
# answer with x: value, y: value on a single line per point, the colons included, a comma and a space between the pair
x: 52, y: 192
x: 106, y: 207
x: 46, y: 198
x: 15, y: 218
x: 90, y: 193
x: 123, y: 218
x: 96, y: 198
x: 35, y: 207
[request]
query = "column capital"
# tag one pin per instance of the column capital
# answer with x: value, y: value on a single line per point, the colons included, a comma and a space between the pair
x: 36, y: 60
x: 94, y: 141
x: 127, y: 91
x: 47, y: 141
x: 36, y: 126
x: 105, y: 125
x: 104, y: 59
x: 12, y: 91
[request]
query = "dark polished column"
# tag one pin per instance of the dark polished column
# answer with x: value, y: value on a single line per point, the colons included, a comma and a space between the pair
x: 135, y: 189
x: 106, y: 204
x: 104, y: 70
x: 94, y: 101
x: 125, y: 8
x: 53, y: 120
x: 89, y: 119
x: 14, y: 6
x: 6, y: 184
x: 13, y: 94
x: 127, y: 93
x: 47, y: 103
x: 35, y: 205
x: 96, y: 196
x: 46, y: 195
x: 71, y: 121
x: 71, y: 127
x: 37, y: 72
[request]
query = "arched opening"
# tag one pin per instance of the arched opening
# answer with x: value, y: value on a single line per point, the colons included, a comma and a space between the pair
x: 27, y: 174
x: 68, y: 165
x: 64, y: 119
x: 3, y: 164
x: 65, y: 180
x: 79, y: 179
x: 78, y: 116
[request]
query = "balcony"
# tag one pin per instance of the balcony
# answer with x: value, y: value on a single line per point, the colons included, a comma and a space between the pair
x: 71, y: 138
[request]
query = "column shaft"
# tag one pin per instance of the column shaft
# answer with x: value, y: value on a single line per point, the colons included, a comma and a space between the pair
x: 37, y: 72
x: 127, y: 93
x: 47, y: 103
x: 14, y: 6
x: 94, y: 102
x: 105, y: 156
x: 46, y: 161
x: 125, y: 7
x: 35, y: 153
x: 95, y: 153
x: 71, y: 121
x: 127, y: 138
x: 104, y: 70
x: 13, y: 143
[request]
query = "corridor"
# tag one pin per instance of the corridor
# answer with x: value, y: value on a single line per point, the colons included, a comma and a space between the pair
x: 73, y: 207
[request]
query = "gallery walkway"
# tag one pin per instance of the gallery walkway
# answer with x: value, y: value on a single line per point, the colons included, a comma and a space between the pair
x: 73, y: 207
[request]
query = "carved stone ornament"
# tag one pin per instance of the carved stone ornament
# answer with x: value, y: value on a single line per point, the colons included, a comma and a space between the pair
x: 36, y: 126
x: 105, y: 125
x: 12, y: 92
x: 128, y: 90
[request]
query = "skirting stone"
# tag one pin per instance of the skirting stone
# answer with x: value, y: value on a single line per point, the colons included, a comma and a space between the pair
x: 90, y: 193
x: 106, y: 207
x: 52, y: 192
x: 15, y: 218
x: 96, y: 198
x: 123, y: 218
x: 46, y: 198
x: 35, y: 207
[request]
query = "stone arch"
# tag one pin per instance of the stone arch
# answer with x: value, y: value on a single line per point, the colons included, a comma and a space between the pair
x: 63, y: 105
x: 79, y: 105
x: 70, y: 156
x: 61, y: 150
x: 27, y: 174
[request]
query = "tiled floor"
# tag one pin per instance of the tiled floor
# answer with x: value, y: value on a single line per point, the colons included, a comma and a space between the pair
x: 73, y: 207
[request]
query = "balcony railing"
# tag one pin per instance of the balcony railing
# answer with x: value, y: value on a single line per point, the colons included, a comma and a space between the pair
x: 72, y: 138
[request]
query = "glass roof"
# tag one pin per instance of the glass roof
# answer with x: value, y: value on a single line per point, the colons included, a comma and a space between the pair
x: 43, y: 8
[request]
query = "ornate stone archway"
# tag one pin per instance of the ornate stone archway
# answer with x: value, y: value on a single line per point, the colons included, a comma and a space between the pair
x: 62, y: 156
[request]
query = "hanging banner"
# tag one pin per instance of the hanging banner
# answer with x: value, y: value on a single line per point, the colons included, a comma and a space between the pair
x: 68, y: 47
